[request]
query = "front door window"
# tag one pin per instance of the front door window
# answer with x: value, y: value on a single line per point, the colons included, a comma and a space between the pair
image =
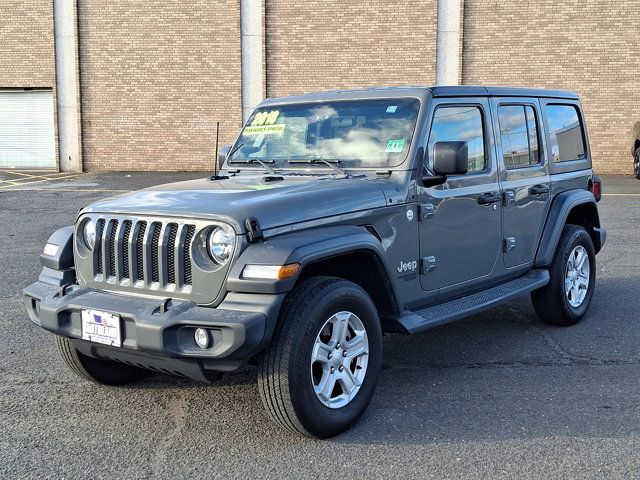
x: 460, y: 124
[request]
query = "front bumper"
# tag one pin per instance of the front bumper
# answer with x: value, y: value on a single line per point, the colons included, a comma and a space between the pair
x: 152, y: 337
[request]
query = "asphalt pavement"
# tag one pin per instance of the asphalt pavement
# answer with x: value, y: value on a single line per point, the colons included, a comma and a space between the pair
x: 498, y: 395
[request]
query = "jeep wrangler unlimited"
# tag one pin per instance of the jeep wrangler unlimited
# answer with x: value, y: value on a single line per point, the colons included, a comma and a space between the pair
x: 336, y: 217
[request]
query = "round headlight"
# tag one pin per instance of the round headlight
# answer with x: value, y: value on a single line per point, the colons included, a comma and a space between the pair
x: 89, y: 234
x: 220, y: 244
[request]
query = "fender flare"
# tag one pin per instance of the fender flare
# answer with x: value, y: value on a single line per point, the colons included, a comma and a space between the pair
x: 58, y: 264
x: 62, y: 258
x: 303, y: 247
x: 560, y: 209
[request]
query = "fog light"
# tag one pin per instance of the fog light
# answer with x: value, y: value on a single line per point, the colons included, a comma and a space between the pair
x: 201, y: 337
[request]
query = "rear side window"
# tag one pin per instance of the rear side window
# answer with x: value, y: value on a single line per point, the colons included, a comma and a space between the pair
x: 460, y: 124
x: 518, y: 135
x: 566, y: 136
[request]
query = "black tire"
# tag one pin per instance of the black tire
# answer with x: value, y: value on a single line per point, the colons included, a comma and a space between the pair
x: 636, y: 163
x: 104, y: 372
x: 284, y: 377
x: 551, y: 302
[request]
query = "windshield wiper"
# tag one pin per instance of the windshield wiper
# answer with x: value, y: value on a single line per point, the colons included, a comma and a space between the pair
x: 329, y: 163
x: 234, y: 150
x: 262, y: 163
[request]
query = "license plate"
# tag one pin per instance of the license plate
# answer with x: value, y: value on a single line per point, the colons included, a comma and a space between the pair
x: 101, y: 327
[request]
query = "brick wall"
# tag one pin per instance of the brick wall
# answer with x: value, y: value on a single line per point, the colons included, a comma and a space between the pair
x: 26, y: 44
x: 327, y: 44
x: 589, y: 46
x: 155, y: 77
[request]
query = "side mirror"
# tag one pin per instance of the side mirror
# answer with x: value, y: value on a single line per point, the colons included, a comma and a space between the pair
x: 450, y: 158
x: 433, y: 180
x: 222, y: 155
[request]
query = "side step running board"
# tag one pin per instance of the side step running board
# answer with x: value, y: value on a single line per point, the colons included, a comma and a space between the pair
x: 453, y: 310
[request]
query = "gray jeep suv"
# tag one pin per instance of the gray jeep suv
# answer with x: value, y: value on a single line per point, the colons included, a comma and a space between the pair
x: 336, y: 217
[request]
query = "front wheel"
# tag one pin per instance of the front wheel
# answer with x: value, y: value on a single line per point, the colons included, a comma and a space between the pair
x: 567, y: 296
x: 321, y: 369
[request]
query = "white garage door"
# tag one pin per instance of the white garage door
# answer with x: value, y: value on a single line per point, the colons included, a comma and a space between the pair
x: 27, y: 138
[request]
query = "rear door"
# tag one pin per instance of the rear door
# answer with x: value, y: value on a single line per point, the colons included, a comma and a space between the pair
x: 460, y: 221
x: 524, y: 177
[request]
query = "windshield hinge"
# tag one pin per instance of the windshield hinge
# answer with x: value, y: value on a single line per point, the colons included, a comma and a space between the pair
x: 254, y: 232
x: 425, y: 211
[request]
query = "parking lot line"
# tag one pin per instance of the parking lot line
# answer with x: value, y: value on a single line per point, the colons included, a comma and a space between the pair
x: 27, y: 176
x: 53, y: 189
x: 9, y: 182
x: 47, y: 179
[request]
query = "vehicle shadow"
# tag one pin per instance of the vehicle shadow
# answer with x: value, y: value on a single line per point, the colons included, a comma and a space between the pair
x: 498, y: 375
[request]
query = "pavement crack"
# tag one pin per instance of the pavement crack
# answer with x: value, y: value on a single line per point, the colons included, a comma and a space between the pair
x: 565, y: 356
x: 176, y: 416
x: 8, y: 381
x: 578, y: 361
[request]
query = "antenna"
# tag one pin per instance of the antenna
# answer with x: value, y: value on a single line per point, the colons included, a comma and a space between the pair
x: 215, y: 162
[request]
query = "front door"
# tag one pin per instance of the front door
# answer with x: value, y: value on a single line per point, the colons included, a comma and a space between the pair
x: 524, y: 177
x: 460, y: 221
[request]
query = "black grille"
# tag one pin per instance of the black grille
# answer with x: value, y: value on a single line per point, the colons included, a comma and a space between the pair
x: 171, y: 253
x: 150, y: 254
x: 125, y: 249
x: 187, y: 254
x: 98, y: 247
x: 112, y: 248
x: 140, y: 251
x: 155, y: 252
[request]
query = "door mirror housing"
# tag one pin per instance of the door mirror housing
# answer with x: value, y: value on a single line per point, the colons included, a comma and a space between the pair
x: 433, y: 180
x: 451, y: 158
x: 222, y: 155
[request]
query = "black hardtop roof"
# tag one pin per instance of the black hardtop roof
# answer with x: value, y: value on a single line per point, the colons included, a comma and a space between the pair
x: 421, y: 92
x: 479, y: 91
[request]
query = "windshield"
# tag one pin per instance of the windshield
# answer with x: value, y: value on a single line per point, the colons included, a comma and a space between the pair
x: 355, y: 133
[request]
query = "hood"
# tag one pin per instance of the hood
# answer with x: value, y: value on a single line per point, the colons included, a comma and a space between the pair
x: 274, y: 203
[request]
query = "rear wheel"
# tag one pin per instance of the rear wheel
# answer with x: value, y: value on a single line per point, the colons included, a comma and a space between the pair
x: 636, y: 163
x: 567, y: 296
x: 104, y: 372
x: 321, y: 369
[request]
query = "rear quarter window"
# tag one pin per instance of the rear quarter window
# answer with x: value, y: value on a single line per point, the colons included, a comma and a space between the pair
x: 566, y: 133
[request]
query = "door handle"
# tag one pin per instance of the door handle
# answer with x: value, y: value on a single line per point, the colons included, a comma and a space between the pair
x: 539, y: 190
x: 489, y: 197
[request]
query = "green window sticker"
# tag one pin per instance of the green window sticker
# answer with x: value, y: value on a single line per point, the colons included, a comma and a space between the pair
x: 395, y: 146
x: 264, y: 129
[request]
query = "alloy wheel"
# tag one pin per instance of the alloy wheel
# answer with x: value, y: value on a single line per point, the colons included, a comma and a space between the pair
x: 339, y: 359
x: 576, y: 282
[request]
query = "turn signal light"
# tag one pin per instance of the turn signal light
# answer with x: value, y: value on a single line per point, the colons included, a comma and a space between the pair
x: 288, y: 271
x: 270, y: 272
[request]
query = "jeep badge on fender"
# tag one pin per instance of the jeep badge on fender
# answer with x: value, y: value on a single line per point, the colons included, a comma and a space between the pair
x: 304, y: 249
